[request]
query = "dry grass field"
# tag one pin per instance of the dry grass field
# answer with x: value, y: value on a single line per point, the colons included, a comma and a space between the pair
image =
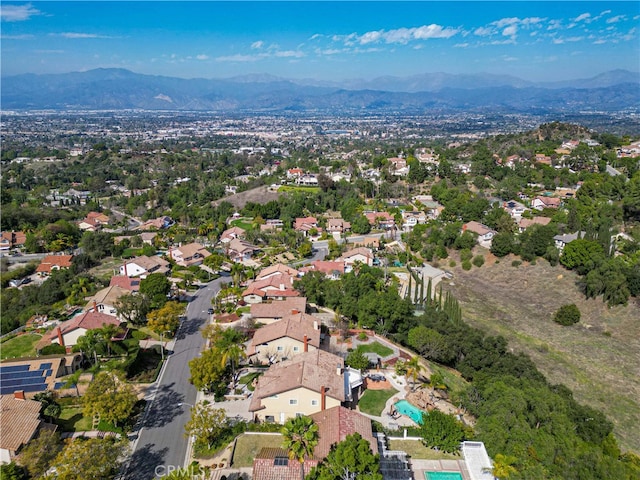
x: 260, y: 195
x: 598, y: 358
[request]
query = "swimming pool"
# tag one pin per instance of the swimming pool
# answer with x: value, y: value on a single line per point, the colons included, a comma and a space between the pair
x: 442, y: 476
x: 411, y: 411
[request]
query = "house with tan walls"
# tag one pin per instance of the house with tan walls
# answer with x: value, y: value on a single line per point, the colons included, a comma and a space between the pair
x: 303, y: 385
x: 294, y: 334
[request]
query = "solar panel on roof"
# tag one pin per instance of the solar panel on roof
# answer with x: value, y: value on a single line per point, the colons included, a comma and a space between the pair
x: 13, y: 375
x: 48, y: 373
x: 14, y: 368
x: 44, y: 366
x: 58, y: 385
x: 35, y: 388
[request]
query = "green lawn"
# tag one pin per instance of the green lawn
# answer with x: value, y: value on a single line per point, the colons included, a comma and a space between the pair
x: 20, y: 346
x: 244, y: 223
x: 375, y: 347
x: 248, y: 447
x: 72, y: 420
x: 415, y: 449
x: 292, y: 188
x: 372, y: 402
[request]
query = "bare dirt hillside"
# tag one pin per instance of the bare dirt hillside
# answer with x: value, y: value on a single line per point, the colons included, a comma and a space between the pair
x: 260, y: 195
x: 598, y: 359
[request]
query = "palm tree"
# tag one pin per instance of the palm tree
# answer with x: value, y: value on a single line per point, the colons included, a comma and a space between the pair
x: 503, y: 466
x: 237, y: 273
x: 300, y: 439
x: 232, y: 354
x: 413, y: 370
x: 107, y: 332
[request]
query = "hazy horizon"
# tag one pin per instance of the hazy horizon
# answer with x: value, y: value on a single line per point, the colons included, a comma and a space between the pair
x: 322, y: 41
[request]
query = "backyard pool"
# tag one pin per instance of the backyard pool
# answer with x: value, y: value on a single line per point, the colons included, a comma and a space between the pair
x: 411, y: 411
x: 442, y: 476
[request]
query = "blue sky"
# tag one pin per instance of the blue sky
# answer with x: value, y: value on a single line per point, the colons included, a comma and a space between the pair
x: 322, y: 40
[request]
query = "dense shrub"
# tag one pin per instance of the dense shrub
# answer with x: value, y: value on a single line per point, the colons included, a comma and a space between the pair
x: 567, y: 315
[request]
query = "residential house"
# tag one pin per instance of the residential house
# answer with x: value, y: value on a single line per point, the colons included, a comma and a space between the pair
x: 239, y: 250
x: 542, y: 158
x: 270, y: 312
x: 397, y: 162
x: 528, y: 222
x: 541, y: 202
x: 272, y: 224
x: 294, y: 173
x: 561, y: 241
x: 104, y: 301
x: 294, y: 334
x: 273, y: 463
x: 380, y: 219
x: 146, y: 237
x: 93, y: 221
x: 231, y: 234
x: 39, y: 374
x: 308, y: 179
x: 362, y: 255
x: 485, y: 234
x: 68, y: 332
x: 334, y: 426
x: 156, y: 224
x: 331, y: 268
x: 11, y: 240
x: 143, y: 266
x: 337, y: 226
x: 189, y: 254
x: 302, y: 385
x: 274, y: 287
x: 19, y: 423
x: 413, y: 218
x: 277, y: 269
x: 514, y: 209
x: 53, y: 262
x: 132, y: 284
x: 305, y: 224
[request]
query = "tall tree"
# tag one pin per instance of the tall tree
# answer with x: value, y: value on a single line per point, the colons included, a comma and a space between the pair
x: 206, y: 424
x: 350, y: 459
x: 441, y: 430
x: 166, y: 319
x: 38, y: 454
x: 110, y: 397
x: 95, y: 458
x: 300, y: 439
x: 207, y: 374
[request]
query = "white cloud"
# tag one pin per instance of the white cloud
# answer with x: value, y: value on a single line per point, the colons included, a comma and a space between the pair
x: 202, y: 56
x: 238, y: 58
x: 17, y: 13
x: 503, y: 22
x: 585, y: 17
x: 510, y: 31
x: 484, y: 31
x: 289, y: 53
x: 461, y: 45
x: 617, y: 18
x: 434, y: 31
x: 509, y: 59
x: 16, y: 37
x: 599, y: 42
x: 257, y: 45
x: 370, y: 37
x: 402, y: 35
x: 79, y: 35
x: 574, y: 39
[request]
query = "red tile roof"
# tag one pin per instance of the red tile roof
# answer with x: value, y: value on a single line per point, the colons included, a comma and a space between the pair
x: 19, y: 422
x: 51, y: 261
x: 335, y: 424
x: 265, y: 466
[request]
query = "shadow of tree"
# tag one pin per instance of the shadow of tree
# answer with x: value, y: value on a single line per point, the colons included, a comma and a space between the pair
x: 166, y: 406
x: 146, y: 463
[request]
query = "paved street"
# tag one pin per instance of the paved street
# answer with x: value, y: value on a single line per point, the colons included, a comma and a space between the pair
x: 161, y: 444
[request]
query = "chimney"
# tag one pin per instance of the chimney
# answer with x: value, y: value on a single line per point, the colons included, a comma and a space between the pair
x: 95, y: 306
x: 323, y: 398
x: 19, y: 394
x: 315, y: 325
x: 306, y: 343
x: 339, y: 370
x: 124, y: 268
x: 295, y: 311
x: 282, y: 286
x: 60, y: 337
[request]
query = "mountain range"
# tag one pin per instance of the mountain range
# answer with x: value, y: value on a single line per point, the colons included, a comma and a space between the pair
x: 120, y: 89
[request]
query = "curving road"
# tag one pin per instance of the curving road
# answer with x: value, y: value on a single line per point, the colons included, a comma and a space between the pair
x: 161, y: 445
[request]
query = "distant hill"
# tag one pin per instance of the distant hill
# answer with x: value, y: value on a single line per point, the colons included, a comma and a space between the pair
x: 114, y: 89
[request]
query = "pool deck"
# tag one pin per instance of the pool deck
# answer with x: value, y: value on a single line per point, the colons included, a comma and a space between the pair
x: 386, y: 419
